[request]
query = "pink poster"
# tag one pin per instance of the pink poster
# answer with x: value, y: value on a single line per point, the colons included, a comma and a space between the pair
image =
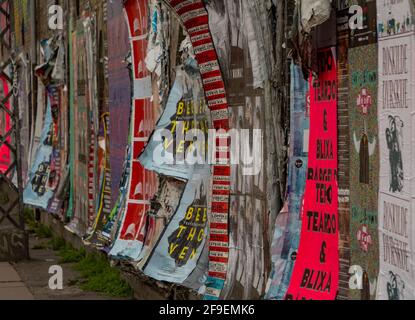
x: 4, y: 128
x: 316, y: 271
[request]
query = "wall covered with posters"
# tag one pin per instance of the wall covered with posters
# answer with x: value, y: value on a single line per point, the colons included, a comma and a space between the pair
x: 117, y: 110
x: 395, y: 96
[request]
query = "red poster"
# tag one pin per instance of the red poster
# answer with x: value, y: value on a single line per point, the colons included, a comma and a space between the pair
x: 142, y: 184
x: 316, y: 271
x: 132, y: 226
x: 5, y: 159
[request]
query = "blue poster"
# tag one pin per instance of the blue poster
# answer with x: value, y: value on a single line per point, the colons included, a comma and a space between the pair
x: 171, y: 150
x: 38, y: 191
x: 180, y: 249
x: 287, y: 237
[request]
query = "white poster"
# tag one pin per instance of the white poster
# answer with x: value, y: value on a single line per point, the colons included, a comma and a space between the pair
x: 397, y: 165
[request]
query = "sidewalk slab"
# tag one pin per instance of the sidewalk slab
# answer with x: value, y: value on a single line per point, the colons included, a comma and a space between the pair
x: 11, y: 286
x: 8, y: 274
x: 18, y: 293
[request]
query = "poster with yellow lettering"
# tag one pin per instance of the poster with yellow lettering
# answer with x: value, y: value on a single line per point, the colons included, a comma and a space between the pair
x: 181, y: 246
x: 179, y: 142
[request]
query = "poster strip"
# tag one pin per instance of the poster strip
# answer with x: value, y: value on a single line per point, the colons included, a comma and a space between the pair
x: 164, y: 206
x: 287, y: 236
x: 185, y: 111
x: 103, y: 208
x: 119, y: 91
x: 183, y: 242
x: 177, y: 254
x: 316, y: 271
x: 57, y: 177
x: 5, y: 155
x: 39, y: 191
x: 396, y: 139
x: 80, y: 131
x: 364, y: 158
x: 195, y: 19
x: 343, y: 42
x: 142, y: 185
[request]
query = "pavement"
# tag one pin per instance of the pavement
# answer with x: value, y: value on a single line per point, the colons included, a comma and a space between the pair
x: 34, y: 273
x: 11, y: 285
x: 29, y: 279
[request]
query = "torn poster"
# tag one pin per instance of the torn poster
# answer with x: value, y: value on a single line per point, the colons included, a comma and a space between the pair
x: 40, y: 188
x: 287, y: 240
x: 71, y: 114
x: 57, y: 163
x: 91, y: 86
x: 112, y: 226
x: 80, y: 132
x: 316, y: 271
x: 171, y: 150
x: 249, y: 239
x: 396, y: 134
x: 103, y: 207
x: 313, y: 13
x: 25, y: 116
x: 162, y: 210
x: 103, y: 194
x: 142, y: 184
x: 48, y: 73
x: 180, y: 247
x: 195, y: 19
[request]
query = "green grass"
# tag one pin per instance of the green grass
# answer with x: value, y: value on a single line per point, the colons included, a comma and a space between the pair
x: 70, y: 255
x: 97, y: 275
x: 43, y: 232
x: 29, y: 218
x: 101, y: 277
x: 57, y: 243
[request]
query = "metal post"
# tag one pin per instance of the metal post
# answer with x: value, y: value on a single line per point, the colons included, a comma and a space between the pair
x: 13, y: 238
